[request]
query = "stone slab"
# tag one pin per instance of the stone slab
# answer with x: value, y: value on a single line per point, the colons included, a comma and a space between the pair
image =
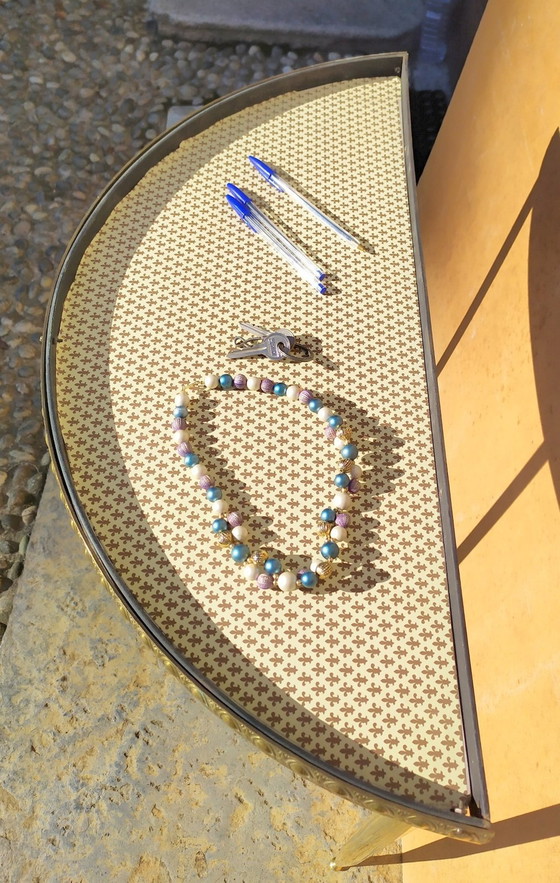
x: 374, y: 24
x: 109, y: 769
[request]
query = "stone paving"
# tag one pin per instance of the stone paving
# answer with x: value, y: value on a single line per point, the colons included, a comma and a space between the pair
x: 83, y: 90
x: 110, y: 770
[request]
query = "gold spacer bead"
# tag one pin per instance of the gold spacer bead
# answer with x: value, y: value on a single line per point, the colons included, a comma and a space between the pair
x: 324, y: 527
x: 259, y: 556
x: 324, y: 569
x: 224, y: 538
x: 344, y: 433
x: 345, y: 465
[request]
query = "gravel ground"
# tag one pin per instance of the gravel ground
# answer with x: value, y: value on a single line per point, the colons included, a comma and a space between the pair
x: 84, y: 87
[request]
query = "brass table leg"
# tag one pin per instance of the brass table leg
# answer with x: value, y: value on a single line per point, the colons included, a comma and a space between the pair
x: 372, y: 836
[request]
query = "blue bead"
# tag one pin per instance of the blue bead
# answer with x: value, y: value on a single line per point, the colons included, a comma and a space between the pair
x: 213, y: 494
x: 272, y: 566
x: 190, y: 460
x: 349, y: 452
x: 226, y: 381
x: 330, y: 550
x: 328, y: 514
x: 335, y: 421
x: 180, y: 411
x: 240, y: 552
x: 315, y: 405
x: 219, y: 525
x: 279, y: 389
x: 308, y: 579
x: 342, y: 480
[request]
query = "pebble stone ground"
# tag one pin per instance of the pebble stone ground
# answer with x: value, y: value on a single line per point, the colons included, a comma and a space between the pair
x: 84, y: 88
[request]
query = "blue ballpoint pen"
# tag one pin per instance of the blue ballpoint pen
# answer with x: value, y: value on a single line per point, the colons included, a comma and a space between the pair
x: 256, y: 227
x: 275, y: 231
x: 273, y: 178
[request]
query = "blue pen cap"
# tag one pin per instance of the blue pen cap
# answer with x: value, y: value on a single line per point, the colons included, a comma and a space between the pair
x: 241, y: 210
x: 265, y: 171
x: 238, y: 193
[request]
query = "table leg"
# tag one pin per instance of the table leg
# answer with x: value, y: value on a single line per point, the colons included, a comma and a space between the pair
x: 373, y: 835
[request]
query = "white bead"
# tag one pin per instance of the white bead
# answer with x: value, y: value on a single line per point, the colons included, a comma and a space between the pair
x: 324, y: 414
x: 254, y: 383
x: 292, y: 393
x: 339, y: 533
x: 219, y: 507
x: 198, y: 470
x: 240, y: 533
x: 211, y: 381
x: 355, y: 470
x: 287, y: 581
x: 181, y: 400
x: 181, y: 435
x: 315, y: 564
x: 341, y: 500
x: 251, y: 571
x: 338, y: 443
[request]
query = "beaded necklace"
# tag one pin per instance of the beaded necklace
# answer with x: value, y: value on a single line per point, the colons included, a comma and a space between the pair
x: 260, y: 566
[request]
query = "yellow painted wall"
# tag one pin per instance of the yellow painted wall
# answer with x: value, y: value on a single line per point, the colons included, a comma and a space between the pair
x: 490, y: 224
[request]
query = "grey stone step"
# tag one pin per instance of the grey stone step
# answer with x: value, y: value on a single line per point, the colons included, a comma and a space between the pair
x: 375, y: 25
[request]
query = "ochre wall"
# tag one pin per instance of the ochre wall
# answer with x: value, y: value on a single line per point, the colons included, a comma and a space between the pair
x: 490, y: 223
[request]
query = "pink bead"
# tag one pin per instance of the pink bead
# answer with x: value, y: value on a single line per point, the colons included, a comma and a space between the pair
x: 330, y: 432
x: 184, y: 448
x: 354, y: 486
x: 342, y: 519
x: 267, y: 385
x: 205, y: 482
x: 234, y: 519
x: 264, y: 581
x: 240, y: 381
x: 178, y: 423
x: 305, y: 396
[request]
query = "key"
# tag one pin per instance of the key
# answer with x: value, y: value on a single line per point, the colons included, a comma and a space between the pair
x: 263, y: 332
x: 272, y: 346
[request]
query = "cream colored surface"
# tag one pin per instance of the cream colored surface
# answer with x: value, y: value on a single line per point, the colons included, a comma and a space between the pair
x: 490, y: 225
x: 362, y: 675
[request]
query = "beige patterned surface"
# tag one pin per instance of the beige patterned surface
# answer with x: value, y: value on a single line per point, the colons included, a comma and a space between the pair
x: 362, y: 675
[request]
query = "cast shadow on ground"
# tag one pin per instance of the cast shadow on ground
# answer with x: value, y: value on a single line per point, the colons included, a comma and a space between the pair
x: 542, y: 824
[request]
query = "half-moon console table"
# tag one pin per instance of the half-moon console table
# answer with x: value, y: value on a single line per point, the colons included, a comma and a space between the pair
x: 362, y: 682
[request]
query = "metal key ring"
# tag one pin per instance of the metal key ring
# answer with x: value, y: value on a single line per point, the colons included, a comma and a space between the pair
x: 291, y: 355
